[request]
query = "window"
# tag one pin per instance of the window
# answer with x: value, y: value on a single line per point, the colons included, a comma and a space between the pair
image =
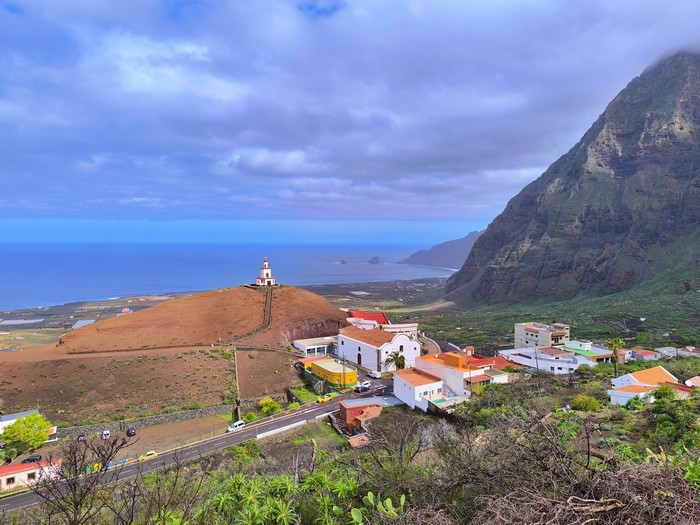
x: 342, y: 342
x: 359, y: 358
x: 10, y: 481
x: 31, y: 476
x: 401, y: 348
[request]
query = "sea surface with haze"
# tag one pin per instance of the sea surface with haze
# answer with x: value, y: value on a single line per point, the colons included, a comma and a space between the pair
x: 46, y: 275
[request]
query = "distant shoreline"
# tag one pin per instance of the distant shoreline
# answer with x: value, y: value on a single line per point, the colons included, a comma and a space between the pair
x: 160, y: 297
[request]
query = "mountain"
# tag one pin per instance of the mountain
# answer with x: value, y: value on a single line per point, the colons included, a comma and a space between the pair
x: 450, y: 254
x: 622, y: 205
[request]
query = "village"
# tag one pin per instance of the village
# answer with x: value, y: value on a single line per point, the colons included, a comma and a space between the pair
x: 373, y: 364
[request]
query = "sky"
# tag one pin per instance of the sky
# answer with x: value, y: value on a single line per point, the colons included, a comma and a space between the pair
x: 413, y: 122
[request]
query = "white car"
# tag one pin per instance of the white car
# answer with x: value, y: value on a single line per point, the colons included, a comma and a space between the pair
x: 365, y: 384
x: 376, y: 374
x: 236, y: 426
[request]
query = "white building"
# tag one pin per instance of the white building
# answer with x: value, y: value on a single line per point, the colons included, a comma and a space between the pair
x: 265, y: 278
x: 550, y: 360
x: 415, y: 387
x: 25, y: 474
x: 540, y: 335
x: 371, y: 348
x: 317, y: 345
x: 639, y: 384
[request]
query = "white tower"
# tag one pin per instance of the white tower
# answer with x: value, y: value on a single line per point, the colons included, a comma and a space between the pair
x: 265, y: 278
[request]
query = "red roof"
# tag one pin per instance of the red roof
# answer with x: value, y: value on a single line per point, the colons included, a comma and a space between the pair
x: 644, y: 352
x: 496, y: 362
x: 478, y: 379
x: 680, y: 387
x: 9, y: 470
x: 379, y: 317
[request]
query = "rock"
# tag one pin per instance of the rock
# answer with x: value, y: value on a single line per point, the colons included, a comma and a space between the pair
x: 619, y: 207
x: 375, y: 260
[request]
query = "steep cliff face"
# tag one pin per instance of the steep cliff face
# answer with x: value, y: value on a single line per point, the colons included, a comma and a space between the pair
x: 597, y: 220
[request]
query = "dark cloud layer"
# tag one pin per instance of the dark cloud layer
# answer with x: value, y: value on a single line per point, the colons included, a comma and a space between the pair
x: 311, y: 109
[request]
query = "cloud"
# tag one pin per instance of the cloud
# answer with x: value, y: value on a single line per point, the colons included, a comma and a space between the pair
x: 322, y: 109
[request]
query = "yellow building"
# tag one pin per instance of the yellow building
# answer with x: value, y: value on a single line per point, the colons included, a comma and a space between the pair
x: 333, y: 371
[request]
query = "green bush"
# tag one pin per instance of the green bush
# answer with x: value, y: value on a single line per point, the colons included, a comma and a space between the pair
x: 294, y: 405
x: 192, y: 406
x: 585, y: 403
x: 635, y: 404
x: 269, y: 406
x: 251, y: 417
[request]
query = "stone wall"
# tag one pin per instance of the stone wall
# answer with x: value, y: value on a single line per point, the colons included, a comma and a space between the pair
x: 141, y: 422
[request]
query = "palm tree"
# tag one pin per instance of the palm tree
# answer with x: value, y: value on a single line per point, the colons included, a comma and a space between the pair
x: 615, y: 345
x: 395, y: 359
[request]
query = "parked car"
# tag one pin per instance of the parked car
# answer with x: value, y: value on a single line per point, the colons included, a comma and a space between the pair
x: 366, y: 384
x: 360, y: 389
x: 106, y: 434
x: 148, y: 455
x: 324, y: 398
x: 131, y: 432
x: 376, y: 374
x: 31, y: 459
x: 82, y: 437
x: 236, y: 426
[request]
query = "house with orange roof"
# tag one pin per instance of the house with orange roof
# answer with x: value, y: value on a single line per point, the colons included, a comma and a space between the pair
x: 356, y: 412
x: 460, y: 371
x: 639, y: 384
x: 371, y: 348
x: 416, y: 387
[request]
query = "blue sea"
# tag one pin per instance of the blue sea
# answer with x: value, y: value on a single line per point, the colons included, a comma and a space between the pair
x: 45, y: 275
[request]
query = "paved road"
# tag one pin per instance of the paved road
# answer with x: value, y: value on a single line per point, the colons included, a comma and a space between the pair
x: 203, y: 448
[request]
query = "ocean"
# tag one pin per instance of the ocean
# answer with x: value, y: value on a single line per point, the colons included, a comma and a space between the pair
x: 45, y: 275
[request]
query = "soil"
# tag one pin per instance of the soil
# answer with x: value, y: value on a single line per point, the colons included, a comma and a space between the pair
x: 165, y: 356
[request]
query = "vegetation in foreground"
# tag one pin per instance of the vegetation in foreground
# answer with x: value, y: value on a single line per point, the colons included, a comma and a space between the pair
x: 512, y: 455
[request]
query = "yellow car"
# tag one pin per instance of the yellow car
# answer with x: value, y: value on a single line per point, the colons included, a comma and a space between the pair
x: 148, y: 455
x: 324, y: 399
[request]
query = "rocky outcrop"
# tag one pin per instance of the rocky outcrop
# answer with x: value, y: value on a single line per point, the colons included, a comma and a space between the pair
x: 597, y: 221
x: 450, y: 254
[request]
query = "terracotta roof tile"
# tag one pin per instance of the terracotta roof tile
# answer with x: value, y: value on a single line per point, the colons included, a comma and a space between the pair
x: 374, y: 337
x: 654, y: 376
x: 634, y: 389
x: 416, y: 377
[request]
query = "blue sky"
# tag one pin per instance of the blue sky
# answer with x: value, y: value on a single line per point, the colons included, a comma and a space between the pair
x: 415, y: 121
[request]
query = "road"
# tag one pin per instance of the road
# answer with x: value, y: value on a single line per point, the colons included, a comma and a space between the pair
x: 210, y: 446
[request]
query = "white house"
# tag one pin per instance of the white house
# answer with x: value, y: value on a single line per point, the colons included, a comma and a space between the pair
x: 550, y: 360
x: 639, y: 384
x: 371, y: 348
x: 25, y: 474
x: 415, y: 387
x: 645, y: 355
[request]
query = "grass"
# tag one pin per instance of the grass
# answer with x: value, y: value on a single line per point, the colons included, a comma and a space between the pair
x: 306, y: 394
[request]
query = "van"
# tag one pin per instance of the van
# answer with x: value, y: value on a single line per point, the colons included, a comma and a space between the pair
x: 236, y: 426
x: 376, y: 374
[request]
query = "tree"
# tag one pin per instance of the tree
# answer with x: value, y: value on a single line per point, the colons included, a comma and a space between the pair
x: 27, y: 433
x: 69, y: 496
x: 395, y: 359
x: 615, y: 345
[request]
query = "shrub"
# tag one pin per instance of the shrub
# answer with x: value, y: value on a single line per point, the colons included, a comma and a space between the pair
x: 269, y: 406
x: 585, y: 403
x: 251, y: 417
x: 294, y: 405
x: 192, y: 406
x: 635, y: 404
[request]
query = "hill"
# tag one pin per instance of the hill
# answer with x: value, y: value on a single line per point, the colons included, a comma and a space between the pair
x: 162, y: 357
x: 450, y: 254
x: 618, y: 208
